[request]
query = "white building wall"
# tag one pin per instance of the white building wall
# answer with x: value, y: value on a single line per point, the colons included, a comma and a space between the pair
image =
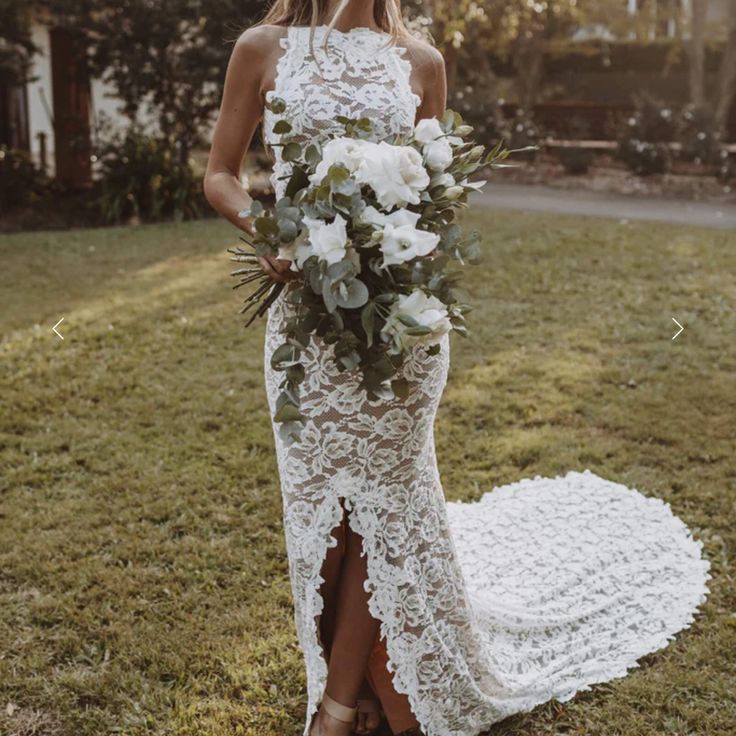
x: 41, y: 97
x: 105, y: 104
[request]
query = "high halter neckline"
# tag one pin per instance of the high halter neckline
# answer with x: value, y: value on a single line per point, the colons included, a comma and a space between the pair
x: 355, y: 29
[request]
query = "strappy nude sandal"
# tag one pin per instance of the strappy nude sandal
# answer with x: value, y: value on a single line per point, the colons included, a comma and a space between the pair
x: 366, y: 706
x: 338, y: 711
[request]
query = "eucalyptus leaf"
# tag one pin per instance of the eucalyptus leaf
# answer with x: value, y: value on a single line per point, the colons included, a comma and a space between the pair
x: 281, y: 127
x: 354, y: 294
x: 266, y: 226
x: 368, y: 320
x: 297, y: 181
x: 340, y: 270
x: 419, y: 331
x: 316, y: 280
x: 291, y: 151
x: 312, y: 154
x: 288, y: 413
x: 329, y: 296
x: 283, y: 356
x: 295, y: 373
x: 405, y: 319
x: 290, y: 432
x: 287, y: 230
x: 350, y: 361
x: 337, y: 174
x: 400, y: 387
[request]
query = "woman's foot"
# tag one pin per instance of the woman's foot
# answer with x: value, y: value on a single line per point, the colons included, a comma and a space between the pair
x: 333, y: 719
x: 368, y: 718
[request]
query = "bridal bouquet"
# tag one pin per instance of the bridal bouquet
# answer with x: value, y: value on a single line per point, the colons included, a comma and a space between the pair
x: 370, y: 229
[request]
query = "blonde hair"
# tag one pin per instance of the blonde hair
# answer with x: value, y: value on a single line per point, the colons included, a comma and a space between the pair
x: 386, y: 14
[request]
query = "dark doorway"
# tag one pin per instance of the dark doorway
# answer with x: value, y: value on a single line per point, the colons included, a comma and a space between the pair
x: 13, y: 114
x: 71, y: 91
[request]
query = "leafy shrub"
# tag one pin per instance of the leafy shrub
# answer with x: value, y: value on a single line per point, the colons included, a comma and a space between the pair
x: 699, y: 137
x: 480, y: 107
x: 726, y: 167
x: 521, y: 130
x: 141, y: 176
x: 21, y: 181
x: 575, y: 161
x: 643, y: 142
x: 481, y: 110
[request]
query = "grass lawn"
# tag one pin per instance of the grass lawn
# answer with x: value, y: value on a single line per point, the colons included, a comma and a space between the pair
x: 143, y: 576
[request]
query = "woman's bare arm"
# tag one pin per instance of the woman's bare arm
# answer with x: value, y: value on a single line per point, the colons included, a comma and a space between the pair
x: 241, y: 110
x: 429, y: 71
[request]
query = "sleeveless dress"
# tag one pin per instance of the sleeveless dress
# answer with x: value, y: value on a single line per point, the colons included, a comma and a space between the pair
x: 537, y: 591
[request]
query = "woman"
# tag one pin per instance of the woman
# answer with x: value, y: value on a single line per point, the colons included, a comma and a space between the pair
x: 447, y: 618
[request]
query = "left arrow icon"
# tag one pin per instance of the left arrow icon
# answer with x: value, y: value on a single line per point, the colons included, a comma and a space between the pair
x: 57, y: 331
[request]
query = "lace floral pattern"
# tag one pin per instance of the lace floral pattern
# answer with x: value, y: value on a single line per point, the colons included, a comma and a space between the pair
x: 358, y: 74
x: 537, y: 591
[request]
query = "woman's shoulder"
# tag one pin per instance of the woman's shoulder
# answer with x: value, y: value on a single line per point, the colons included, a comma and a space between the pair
x: 256, y: 50
x: 260, y: 39
x: 425, y: 58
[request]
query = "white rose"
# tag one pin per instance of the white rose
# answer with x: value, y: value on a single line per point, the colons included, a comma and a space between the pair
x: 398, y: 217
x: 438, y: 154
x: 349, y: 152
x: 395, y: 173
x: 446, y: 180
x: 328, y: 241
x: 427, y: 311
x: 428, y: 129
x: 403, y: 243
x: 400, y: 240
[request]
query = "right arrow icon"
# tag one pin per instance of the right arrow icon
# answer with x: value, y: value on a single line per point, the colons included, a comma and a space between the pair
x: 678, y: 331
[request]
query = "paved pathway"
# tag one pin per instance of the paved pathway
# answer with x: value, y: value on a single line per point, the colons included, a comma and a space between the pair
x: 539, y: 198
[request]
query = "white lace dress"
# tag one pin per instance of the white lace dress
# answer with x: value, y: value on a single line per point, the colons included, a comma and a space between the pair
x: 537, y: 591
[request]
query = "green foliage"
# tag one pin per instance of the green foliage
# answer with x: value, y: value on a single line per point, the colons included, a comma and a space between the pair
x: 726, y: 167
x: 16, y: 45
x: 21, y: 181
x: 479, y: 108
x: 141, y: 177
x: 522, y: 132
x: 575, y: 161
x: 643, y: 138
x: 698, y: 133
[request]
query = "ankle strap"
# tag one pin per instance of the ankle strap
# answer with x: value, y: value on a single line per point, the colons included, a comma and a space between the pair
x: 337, y: 710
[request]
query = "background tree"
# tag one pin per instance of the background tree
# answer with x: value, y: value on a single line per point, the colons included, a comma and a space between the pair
x: 163, y: 57
x: 16, y: 46
x: 471, y: 32
x: 726, y: 83
x: 718, y: 106
x: 696, y: 52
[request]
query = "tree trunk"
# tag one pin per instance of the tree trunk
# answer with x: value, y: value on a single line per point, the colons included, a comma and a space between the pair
x: 726, y: 85
x: 696, y: 52
x: 528, y: 57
